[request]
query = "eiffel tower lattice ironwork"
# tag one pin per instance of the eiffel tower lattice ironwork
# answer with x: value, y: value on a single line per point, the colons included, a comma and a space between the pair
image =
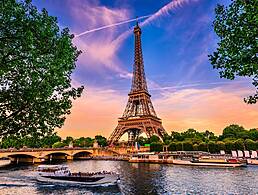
x: 139, y: 115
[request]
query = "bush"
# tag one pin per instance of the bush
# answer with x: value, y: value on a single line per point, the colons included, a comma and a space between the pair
x: 203, y: 147
x: 187, y: 146
x: 212, y: 147
x: 250, y: 144
x: 195, y: 147
x: 221, y: 146
x: 156, y: 147
x: 229, y: 145
x: 172, y: 146
x: 58, y: 145
x: 179, y: 146
x: 239, y: 144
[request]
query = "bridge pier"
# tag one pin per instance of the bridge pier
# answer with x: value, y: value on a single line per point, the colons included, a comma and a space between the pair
x: 69, y: 157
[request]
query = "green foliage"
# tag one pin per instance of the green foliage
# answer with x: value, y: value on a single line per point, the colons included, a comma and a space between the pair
x: 236, y: 55
x: 156, y: 147
x: 58, y: 145
x: 212, y: 147
x: 229, y: 145
x: 179, y: 146
x: 10, y: 142
x: 68, y: 140
x: 239, y: 144
x: 30, y: 141
x: 250, y: 144
x: 221, y: 146
x: 203, y: 147
x: 172, y: 146
x: 187, y: 146
x: 176, y: 136
x: 154, y: 139
x: 143, y: 140
x: 36, y: 63
x: 83, y: 142
x: 167, y: 139
x: 102, y: 141
x: 253, y: 134
x: 233, y: 131
x: 195, y: 147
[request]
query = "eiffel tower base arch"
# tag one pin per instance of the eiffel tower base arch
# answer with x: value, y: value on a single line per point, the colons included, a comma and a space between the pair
x: 134, y: 127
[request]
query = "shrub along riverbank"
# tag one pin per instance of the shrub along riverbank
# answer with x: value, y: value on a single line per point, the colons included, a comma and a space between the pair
x: 234, y: 137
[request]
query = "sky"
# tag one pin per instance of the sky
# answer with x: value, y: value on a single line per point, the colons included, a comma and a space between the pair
x: 176, y: 41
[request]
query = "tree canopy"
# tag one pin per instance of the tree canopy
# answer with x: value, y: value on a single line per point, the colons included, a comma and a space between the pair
x: 36, y: 62
x: 236, y: 55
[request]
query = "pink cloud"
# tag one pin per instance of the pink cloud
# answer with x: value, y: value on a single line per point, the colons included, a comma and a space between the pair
x: 98, y: 50
x: 211, y: 109
x: 97, y: 111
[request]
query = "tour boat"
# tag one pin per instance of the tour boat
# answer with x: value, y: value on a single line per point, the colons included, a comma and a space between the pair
x: 210, y: 161
x: 251, y: 161
x: 150, y: 157
x: 60, y: 174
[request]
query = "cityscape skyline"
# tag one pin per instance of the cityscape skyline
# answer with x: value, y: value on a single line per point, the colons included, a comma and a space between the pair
x: 186, y: 91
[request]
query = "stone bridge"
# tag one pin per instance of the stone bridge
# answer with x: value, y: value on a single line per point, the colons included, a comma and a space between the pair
x: 37, y: 155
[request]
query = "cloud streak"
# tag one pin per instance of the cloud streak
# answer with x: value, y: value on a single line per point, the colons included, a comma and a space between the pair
x: 161, y: 12
x: 112, y: 25
x: 107, y: 48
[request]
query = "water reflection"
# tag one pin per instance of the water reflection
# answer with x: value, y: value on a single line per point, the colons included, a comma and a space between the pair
x: 138, y: 179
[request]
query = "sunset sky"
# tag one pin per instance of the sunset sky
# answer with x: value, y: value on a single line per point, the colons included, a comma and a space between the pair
x: 176, y: 40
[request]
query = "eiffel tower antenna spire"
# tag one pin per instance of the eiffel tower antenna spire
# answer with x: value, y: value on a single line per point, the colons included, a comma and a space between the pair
x: 139, y: 80
x: 139, y: 115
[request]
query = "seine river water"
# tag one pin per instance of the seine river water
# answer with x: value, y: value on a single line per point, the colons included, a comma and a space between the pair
x: 138, y: 179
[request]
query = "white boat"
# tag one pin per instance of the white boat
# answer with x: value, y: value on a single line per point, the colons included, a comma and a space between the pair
x: 60, y: 174
x: 210, y: 162
x: 251, y: 161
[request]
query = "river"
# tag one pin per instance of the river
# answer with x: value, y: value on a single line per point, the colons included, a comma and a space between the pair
x: 138, y: 179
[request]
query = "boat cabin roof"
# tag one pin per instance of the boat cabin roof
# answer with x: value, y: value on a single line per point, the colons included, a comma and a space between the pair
x: 52, y: 167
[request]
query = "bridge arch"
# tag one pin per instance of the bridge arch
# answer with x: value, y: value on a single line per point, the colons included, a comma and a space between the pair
x: 57, y: 155
x: 22, y: 158
x: 84, y: 154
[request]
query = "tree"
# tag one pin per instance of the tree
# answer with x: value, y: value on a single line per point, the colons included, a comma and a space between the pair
x: 212, y: 146
x: 172, y: 146
x: 236, y: 55
x: 68, y: 140
x: 156, y: 147
x: 142, y: 140
x: 234, y: 131
x: 58, y: 145
x: 188, y: 146
x: 48, y: 141
x: 250, y: 144
x: 253, y: 134
x: 83, y: 142
x: 221, y: 145
x: 239, y: 144
x: 10, y: 141
x: 154, y: 139
x: 36, y: 62
x: 102, y: 141
x: 203, y: 147
x: 229, y: 145
x: 195, y: 147
x: 176, y: 136
x: 179, y: 146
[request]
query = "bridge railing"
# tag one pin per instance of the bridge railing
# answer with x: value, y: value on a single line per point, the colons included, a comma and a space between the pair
x: 40, y: 149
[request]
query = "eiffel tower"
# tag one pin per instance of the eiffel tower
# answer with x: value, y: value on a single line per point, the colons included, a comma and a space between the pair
x: 139, y: 115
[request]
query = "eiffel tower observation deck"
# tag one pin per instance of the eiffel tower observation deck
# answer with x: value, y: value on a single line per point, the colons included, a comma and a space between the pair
x: 139, y: 115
